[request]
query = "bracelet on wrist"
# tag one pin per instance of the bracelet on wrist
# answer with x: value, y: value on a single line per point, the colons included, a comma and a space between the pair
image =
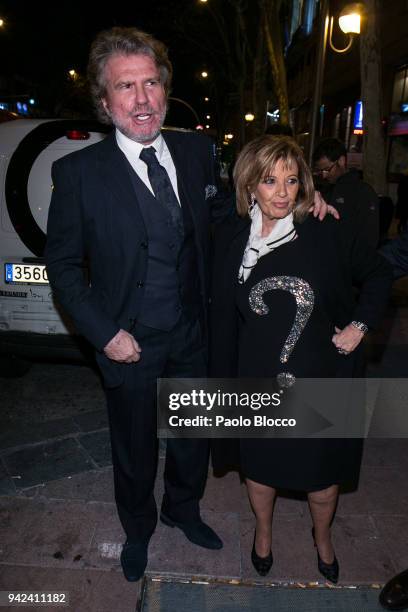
x: 361, y: 326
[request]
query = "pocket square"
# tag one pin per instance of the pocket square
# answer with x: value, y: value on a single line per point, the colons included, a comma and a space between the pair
x: 210, y: 191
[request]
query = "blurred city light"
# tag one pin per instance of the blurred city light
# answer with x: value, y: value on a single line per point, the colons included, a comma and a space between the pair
x: 204, y: 74
x: 249, y: 117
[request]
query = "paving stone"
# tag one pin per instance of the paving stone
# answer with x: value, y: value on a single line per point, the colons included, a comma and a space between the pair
x: 171, y: 553
x: 107, y: 542
x: 378, y: 490
x: 98, y: 446
x: 18, y: 433
x: 381, y: 452
x: 89, y: 590
x: 34, y: 465
x: 95, y: 485
x: 362, y: 554
x: 91, y: 421
x: 51, y: 391
x: 394, y: 533
x: 51, y: 533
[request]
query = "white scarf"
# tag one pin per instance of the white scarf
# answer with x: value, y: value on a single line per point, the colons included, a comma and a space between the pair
x: 258, y: 246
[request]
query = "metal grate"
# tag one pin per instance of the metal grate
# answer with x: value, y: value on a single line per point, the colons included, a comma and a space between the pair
x: 163, y: 595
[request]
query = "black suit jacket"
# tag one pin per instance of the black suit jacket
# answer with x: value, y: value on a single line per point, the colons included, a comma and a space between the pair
x: 94, y: 217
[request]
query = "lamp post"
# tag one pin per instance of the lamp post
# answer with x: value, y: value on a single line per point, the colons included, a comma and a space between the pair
x: 196, y: 117
x: 349, y: 23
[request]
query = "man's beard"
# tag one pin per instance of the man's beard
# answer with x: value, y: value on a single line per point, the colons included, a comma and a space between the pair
x: 137, y: 133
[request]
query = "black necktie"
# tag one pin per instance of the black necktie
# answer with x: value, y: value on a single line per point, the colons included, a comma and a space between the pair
x: 162, y: 187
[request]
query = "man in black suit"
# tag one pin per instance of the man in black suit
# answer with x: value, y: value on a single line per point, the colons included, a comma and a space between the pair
x: 137, y: 208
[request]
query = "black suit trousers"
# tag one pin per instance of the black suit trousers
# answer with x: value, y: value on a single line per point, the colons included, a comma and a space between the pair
x: 133, y: 426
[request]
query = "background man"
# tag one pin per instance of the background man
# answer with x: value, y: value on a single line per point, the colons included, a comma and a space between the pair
x: 343, y: 188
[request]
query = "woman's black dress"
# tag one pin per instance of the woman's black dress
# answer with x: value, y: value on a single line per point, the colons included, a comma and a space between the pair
x: 254, y: 343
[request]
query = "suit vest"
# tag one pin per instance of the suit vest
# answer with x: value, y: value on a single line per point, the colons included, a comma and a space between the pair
x: 171, y: 285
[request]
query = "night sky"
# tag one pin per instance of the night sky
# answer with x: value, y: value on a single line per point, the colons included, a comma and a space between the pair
x: 42, y: 41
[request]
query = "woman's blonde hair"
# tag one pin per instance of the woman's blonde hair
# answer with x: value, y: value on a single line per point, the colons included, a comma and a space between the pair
x: 256, y: 162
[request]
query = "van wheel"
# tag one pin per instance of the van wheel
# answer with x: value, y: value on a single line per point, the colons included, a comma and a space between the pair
x: 13, y: 367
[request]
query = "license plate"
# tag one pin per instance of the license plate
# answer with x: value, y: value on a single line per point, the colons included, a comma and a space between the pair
x: 26, y: 274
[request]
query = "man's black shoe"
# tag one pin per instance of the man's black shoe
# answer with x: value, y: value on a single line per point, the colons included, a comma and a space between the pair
x: 394, y: 595
x: 134, y: 560
x: 197, y: 532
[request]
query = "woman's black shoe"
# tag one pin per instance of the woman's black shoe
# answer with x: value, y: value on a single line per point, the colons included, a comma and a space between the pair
x: 329, y: 570
x: 261, y: 564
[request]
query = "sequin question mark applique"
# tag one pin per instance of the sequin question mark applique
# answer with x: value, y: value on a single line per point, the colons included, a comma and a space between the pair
x: 304, y: 296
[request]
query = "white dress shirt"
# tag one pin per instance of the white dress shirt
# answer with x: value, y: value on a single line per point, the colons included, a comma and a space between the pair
x: 132, y: 150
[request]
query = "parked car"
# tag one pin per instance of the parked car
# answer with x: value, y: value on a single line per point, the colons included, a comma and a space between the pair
x: 31, y: 324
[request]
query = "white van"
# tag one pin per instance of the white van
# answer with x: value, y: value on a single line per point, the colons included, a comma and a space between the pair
x: 30, y: 324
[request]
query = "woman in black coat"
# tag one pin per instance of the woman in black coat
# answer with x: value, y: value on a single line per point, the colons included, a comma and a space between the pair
x: 275, y: 252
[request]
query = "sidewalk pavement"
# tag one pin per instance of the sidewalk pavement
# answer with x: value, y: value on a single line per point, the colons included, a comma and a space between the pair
x: 58, y: 525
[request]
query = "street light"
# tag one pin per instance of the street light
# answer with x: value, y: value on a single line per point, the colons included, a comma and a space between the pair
x: 1, y: 23
x: 350, y: 24
x: 181, y: 101
x: 204, y: 74
x: 350, y: 18
x: 249, y: 117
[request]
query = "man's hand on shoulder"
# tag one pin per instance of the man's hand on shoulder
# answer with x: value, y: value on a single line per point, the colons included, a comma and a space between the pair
x: 123, y: 348
x: 320, y: 208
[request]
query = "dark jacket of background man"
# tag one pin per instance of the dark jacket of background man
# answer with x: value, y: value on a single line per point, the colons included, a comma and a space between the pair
x: 396, y: 251
x: 343, y: 188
